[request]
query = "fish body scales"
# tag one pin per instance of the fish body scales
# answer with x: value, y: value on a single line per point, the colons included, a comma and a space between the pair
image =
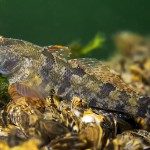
x: 47, y: 68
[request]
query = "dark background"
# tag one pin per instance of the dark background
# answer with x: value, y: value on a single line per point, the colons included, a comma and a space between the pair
x: 47, y: 22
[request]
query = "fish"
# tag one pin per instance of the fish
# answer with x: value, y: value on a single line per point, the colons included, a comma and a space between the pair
x: 49, y: 67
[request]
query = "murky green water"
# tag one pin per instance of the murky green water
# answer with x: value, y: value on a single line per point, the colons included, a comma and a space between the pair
x: 47, y: 22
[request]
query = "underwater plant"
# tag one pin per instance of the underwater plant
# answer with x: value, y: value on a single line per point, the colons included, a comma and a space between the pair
x: 78, y: 50
x: 4, y: 96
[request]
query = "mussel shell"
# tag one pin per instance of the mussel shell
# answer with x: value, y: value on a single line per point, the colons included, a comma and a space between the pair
x: 49, y: 130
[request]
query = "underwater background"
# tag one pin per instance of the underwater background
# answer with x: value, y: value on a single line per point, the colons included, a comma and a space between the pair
x: 93, y: 106
x: 48, y: 22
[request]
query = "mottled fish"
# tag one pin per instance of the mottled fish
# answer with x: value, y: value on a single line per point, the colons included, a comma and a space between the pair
x: 49, y: 68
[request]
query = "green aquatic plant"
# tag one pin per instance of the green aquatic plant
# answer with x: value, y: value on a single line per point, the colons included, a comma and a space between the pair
x: 78, y: 50
x: 4, y: 96
x: 3, y: 84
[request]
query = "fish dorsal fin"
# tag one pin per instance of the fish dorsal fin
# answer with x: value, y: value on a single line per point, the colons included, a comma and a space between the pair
x: 91, y: 66
x: 59, y: 51
x: 100, y: 71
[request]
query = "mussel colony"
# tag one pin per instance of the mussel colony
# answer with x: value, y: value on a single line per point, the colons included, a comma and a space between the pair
x: 40, y: 123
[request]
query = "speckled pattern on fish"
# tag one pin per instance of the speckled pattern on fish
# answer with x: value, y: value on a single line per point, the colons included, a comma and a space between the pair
x: 46, y: 68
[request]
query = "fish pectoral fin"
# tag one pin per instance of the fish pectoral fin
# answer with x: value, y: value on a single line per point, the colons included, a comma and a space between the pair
x: 25, y: 91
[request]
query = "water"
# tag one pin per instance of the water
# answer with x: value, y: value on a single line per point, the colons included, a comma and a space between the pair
x: 61, y: 22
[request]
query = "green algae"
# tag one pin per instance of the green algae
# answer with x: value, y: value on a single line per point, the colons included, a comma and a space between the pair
x: 78, y: 50
x: 4, y: 96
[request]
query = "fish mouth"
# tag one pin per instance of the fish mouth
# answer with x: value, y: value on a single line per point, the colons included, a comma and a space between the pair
x: 4, y: 71
x: 8, y: 70
x: 8, y: 66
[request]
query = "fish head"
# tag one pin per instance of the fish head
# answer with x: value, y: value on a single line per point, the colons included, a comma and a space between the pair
x: 9, y: 58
